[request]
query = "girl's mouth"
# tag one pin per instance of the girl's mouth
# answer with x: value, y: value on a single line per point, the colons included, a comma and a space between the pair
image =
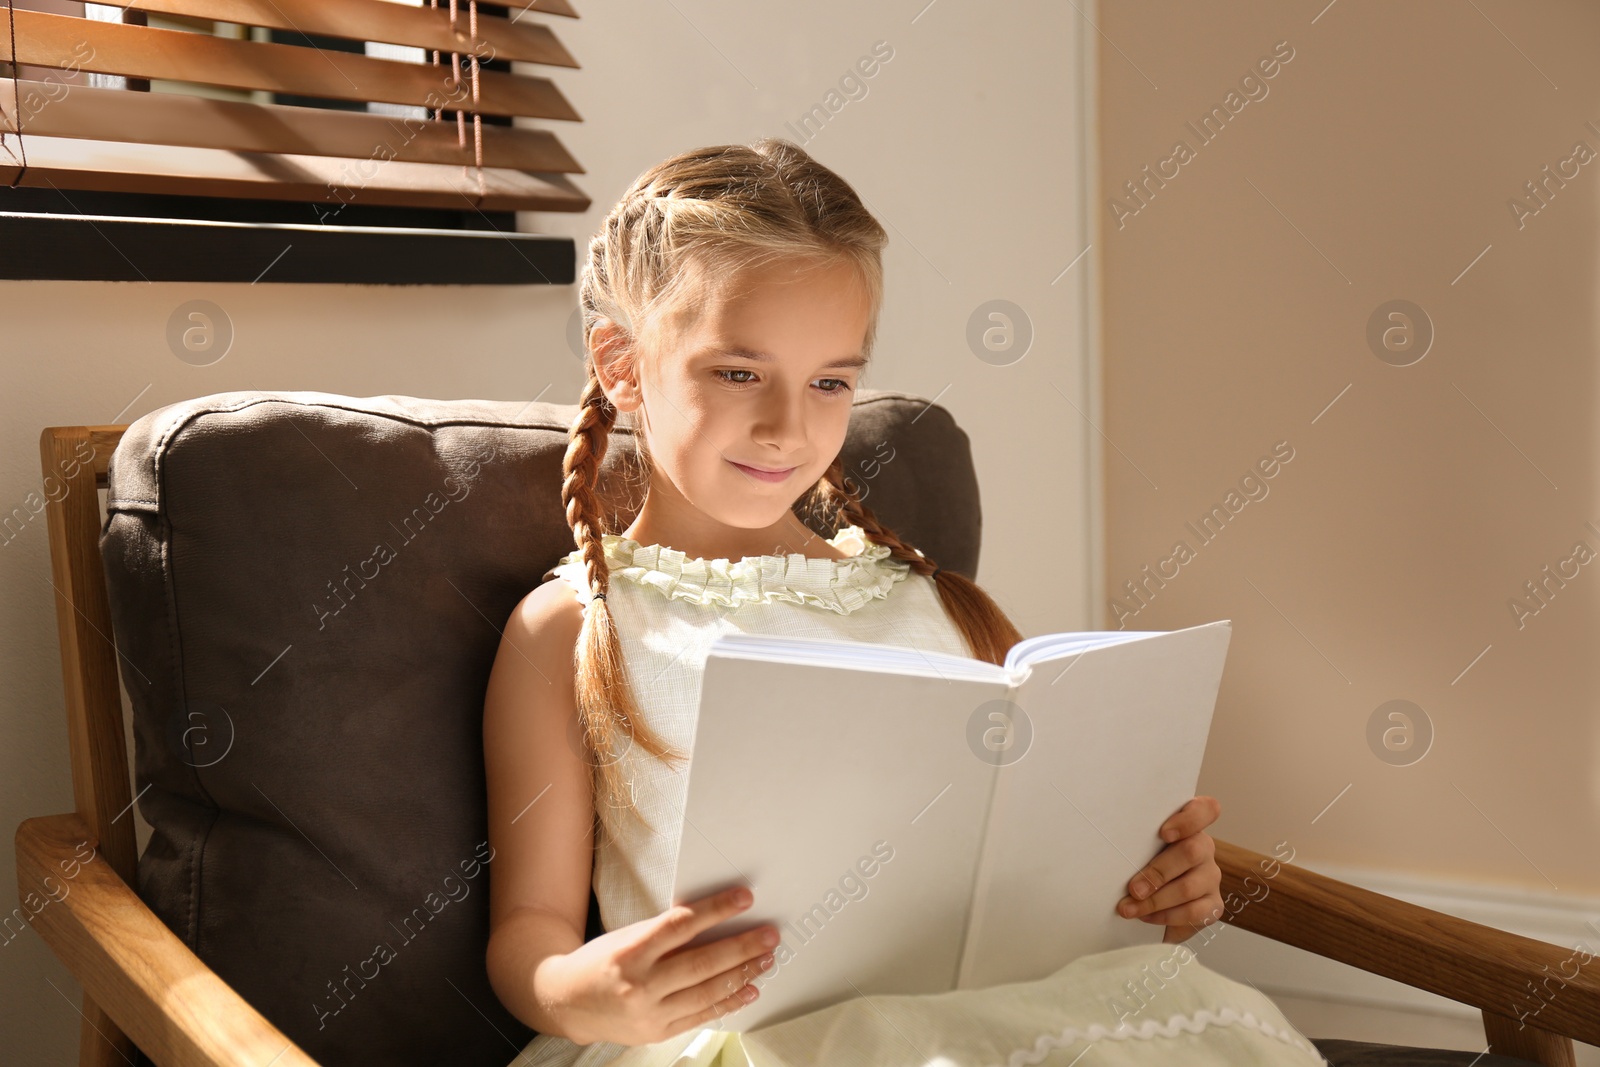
x: 765, y: 476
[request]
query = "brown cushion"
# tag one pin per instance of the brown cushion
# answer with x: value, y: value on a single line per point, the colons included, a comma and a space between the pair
x: 307, y: 591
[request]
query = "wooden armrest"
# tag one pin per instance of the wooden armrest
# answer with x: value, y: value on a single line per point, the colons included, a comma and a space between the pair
x: 160, y: 994
x: 1527, y: 990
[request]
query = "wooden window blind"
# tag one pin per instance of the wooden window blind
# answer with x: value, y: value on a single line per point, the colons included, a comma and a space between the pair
x: 424, y: 123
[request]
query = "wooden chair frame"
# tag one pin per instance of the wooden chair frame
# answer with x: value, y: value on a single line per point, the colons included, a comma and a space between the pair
x: 142, y: 985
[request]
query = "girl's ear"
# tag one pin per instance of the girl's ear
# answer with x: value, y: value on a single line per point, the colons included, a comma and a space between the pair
x: 615, y: 365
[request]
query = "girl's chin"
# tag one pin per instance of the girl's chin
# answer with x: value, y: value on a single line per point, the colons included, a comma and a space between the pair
x: 754, y: 510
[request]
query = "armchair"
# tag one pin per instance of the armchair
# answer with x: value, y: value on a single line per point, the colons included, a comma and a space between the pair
x: 301, y: 593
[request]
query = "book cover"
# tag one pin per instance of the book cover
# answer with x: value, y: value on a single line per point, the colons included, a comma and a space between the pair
x: 914, y: 822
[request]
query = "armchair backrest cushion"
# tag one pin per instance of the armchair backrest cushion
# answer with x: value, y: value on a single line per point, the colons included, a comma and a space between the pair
x: 307, y: 593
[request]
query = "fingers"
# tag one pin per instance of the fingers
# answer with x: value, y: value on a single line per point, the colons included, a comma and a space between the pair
x: 725, y: 1006
x: 682, y: 972
x: 1193, y: 885
x: 1199, y: 813
x: 1190, y: 915
x: 695, y: 984
x: 680, y: 924
x: 1169, y: 863
x: 718, y: 996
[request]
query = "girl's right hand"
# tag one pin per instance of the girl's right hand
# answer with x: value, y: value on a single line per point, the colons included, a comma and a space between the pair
x: 636, y: 985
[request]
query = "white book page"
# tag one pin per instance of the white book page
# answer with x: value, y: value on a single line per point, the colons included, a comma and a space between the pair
x: 1118, y: 733
x: 1029, y: 651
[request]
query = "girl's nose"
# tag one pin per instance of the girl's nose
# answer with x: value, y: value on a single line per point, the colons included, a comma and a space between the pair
x: 781, y: 422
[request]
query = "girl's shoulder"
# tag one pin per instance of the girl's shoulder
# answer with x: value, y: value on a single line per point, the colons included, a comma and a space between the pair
x: 550, y: 613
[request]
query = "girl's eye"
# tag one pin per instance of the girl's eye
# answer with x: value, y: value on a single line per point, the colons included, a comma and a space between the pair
x: 840, y: 385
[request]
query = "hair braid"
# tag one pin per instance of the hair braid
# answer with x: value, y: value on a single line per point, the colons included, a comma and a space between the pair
x: 988, y: 632
x: 607, y: 713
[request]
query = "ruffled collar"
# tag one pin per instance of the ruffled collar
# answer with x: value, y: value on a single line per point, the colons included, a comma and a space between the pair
x: 840, y: 585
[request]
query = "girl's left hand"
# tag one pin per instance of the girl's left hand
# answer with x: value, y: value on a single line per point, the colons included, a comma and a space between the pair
x: 1181, y: 888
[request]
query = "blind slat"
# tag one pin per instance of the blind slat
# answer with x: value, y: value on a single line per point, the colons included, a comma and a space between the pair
x: 66, y: 42
x: 55, y: 110
x: 74, y: 163
x: 363, y: 20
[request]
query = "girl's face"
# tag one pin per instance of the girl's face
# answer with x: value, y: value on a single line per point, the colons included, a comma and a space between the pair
x: 762, y: 381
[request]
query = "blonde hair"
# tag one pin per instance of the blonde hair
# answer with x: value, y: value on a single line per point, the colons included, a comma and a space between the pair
x: 713, y: 213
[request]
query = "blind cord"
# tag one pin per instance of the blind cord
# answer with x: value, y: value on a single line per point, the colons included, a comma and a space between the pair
x: 16, y: 93
x: 477, y: 119
x: 461, y: 117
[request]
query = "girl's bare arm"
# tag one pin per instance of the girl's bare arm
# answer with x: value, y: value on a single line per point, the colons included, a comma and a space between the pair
x: 540, y: 806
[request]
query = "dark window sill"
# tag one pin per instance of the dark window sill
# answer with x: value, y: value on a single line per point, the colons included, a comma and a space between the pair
x: 71, y: 241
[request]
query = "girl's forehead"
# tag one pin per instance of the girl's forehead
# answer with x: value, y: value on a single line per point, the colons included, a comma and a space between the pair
x: 777, y: 280
x: 817, y: 315
x: 833, y: 301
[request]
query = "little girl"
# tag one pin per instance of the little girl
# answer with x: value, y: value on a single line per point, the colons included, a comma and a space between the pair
x: 730, y: 305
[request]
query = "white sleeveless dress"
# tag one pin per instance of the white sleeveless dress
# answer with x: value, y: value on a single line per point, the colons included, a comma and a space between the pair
x: 668, y: 610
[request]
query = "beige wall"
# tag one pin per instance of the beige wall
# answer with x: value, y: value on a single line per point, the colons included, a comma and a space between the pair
x: 1382, y: 559
x: 965, y: 143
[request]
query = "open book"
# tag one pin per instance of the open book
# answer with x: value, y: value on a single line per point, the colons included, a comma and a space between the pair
x: 915, y: 822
